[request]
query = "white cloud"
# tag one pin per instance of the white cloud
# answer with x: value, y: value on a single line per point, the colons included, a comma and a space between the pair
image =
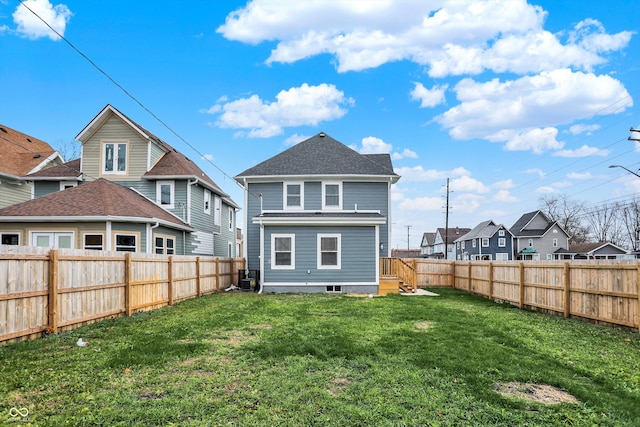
x: 422, y: 204
x: 504, y: 196
x: 406, y: 153
x: 578, y: 129
x: 449, y: 37
x: 546, y: 190
x: 535, y: 171
x: 577, y: 175
x: 419, y: 174
x: 32, y: 27
x: 535, y: 140
x: 505, y: 184
x: 497, y: 110
x: 373, y: 145
x: 208, y: 157
x: 294, y: 139
x: 468, y: 185
x: 428, y: 97
x: 298, y: 106
x: 583, y: 151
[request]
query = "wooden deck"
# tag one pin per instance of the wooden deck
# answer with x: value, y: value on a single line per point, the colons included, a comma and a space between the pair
x: 397, y: 275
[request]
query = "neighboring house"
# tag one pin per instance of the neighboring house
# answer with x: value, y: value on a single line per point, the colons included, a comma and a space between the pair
x: 405, y: 253
x: 426, y: 245
x: 318, y: 217
x: 486, y: 241
x: 449, y: 236
x: 20, y: 155
x: 118, y: 150
x: 538, y: 238
x: 599, y: 250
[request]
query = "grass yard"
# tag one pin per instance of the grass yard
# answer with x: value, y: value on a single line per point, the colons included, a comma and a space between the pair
x: 312, y: 360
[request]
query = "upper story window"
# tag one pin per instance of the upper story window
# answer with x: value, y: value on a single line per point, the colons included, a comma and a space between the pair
x: 217, y: 205
x: 500, y: 232
x: 485, y: 242
x: 473, y: 243
x: 555, y: 243
x: 332, y: 195
x: 165, y: 191
x: 207, y: 201
x: 530, y: 242
x: 231, y: 215
x: 502, y: 242
x: 293, y: 195
x: 115, y: 158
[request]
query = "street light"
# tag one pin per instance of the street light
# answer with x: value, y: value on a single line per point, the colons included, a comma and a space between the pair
x: 630, y: 171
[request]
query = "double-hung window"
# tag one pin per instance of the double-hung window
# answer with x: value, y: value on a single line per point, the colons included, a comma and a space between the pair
x: 207, y: 201
x: 332, y: 195
x: 217, y: 205
x: 165, y: 191
x: 126, y: 242
x: 329, y: 251
x: 293, y: 195
x: 283, y: 251
x: 165, y: 245
x: 502, y: 242
x: 115, y: 158
x: 485, y: 242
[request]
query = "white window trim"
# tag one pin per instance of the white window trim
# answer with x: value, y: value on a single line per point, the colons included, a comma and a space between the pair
x: 324, y: 194
x: 165, y: 245
x: 286, y: 196
x: 65, y: 184
x: 473, y: 243
x: 84, y: 245
x: 54, y: 237
x: 555, y: 243
x: 530, y: 243
x: 231, y: 215
x: 11, y: 233
x: 115, y: 170
x: 502, y: 256
x: 172, y: 186
x: 319, y: 253
x: 217, y: 212
x: 206, y: 204
x: 485, y: 240
x: 500, y: 233
x: 502, y: 242
x: 134, y: 235
x: 230, y: 249
x: 273, y: 252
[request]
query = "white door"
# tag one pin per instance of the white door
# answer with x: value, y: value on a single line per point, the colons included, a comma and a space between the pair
x: 52, y: 240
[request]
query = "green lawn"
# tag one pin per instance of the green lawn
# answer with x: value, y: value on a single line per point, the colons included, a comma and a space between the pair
x: 310, y: 360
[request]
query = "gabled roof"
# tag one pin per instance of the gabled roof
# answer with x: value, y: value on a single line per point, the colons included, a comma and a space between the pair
x: 65, y: 171
x: 321, y: 155
x: 521, y: 227
x: 428, y: 239
x: 23, y: 154
x: 589, y: 248
x: 97, y: 200
x: 485, y: 229
x: 452, y: 234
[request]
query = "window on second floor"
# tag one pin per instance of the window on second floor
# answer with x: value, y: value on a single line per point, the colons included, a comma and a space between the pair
x: 165, y: 194
x: 331, y: 195
x: 115, y: 158
x: 217, y: 205
x: 485, y: 242
x: 555, y: 243
x: 500, y: 232
x: 293, y: 196
x: 207, y: 201
x: 530, y: 242
x: 231, y: 215
x: 473, y: 243
x: 502, y: 242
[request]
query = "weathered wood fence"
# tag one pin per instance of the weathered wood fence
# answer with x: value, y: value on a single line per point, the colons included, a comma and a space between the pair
x: 601, y: 291
x: 46, y: 290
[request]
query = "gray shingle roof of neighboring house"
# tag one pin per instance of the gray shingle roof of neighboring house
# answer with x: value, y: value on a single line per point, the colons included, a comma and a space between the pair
x: 452, y: 233
x: 484, y: 229
x: 95, y: 199
x: 322, y: 155
x: 518, y: 229
x: 70, y: 169
x: 428, y: 239
x: 585, y: 248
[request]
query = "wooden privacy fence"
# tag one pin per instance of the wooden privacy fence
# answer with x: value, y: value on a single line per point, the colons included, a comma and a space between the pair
x: 47, y: 290
x: 601, y: 291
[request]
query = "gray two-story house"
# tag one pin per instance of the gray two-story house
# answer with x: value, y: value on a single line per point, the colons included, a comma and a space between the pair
x: 486, y: 241
x: 318, y: 217
x: 538, y: 238
x: 129, y: 191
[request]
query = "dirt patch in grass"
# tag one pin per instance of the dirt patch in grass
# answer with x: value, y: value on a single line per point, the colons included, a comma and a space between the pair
x: 423, y: 326
x: 337, y: 384
x: 541, y: 393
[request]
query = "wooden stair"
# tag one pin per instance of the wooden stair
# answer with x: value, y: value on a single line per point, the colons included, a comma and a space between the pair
x: 397, y: 275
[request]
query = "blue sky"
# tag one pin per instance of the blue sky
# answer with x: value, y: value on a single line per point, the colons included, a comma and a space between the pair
x: 510, y: 100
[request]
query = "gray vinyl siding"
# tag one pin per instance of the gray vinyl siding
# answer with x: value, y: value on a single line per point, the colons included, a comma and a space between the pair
x: 372, y: 196
x: 10, y: 194
x: 271, y: 199
x: 313, y: 196
x: 42, y: 188
x: 115, y: 130
x: 225, y: 236
x: 156, y: 154
x: 358, y: 256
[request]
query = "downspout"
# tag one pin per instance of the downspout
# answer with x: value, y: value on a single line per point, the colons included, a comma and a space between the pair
x: 150, y: 236
x: 261, y: 255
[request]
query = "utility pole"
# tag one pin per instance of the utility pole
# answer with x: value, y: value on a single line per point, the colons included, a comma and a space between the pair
x: 634, y: 137
x: 446, y: 224
x: 408, y: 227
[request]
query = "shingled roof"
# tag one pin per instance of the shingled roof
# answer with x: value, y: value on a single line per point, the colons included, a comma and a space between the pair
x: 519, y: 229
x: 66, y: 170
x: 322, y: 155
x: 92, y: 201
x: 22, y: 153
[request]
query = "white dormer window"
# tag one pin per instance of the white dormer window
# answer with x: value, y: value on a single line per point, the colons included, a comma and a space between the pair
x: 500, y: 232
x: 115, y: 158
x: 165, y: 191
x: 294, y: 195
x: 332, y: 195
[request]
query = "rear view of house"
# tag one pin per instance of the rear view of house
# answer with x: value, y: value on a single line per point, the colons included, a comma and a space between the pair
x: 318, y: 217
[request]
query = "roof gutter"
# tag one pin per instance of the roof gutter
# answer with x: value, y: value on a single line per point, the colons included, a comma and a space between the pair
x: 104, y: 218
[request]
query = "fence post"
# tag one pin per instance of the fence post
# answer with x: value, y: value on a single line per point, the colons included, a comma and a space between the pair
x: 217, y: 273
x: 53, y: 290
x: 127, y: 283
x: 170, y: 274
x: 567, y: 290
x: 469, y: 277
x: 198, y: 285
x: 490, y: 280
x: 521, y: 303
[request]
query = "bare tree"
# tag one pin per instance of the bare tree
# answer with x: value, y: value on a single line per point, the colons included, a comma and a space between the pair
x: 605, y: 224
x: 568, y: 213
x: 68, y: 149
x: 630, y: 214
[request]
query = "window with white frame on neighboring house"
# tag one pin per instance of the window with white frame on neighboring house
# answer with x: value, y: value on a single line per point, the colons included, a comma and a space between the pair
x: 502, y: 242
x: 329, y: 253
x: 331, y: 195
x: 502, y: 256
x: 500, y: 232
x: 283, y: 254
x: 64, y: 185
x: 473, y: 243
x: 231, y: 215
x: 115, y: 158
x: 93, y: 241
x: 530, y: 242
x: 10, y: 239
x: 555, y: 243
x: 293, y: 195
x: 164, y: 245
x: 165, y: 193
x: 207, y: 201
x: 217, y: 206
x: 230, y: 249
x: 53, y: 239
x: 485, y: 242
x: 126, y: 242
